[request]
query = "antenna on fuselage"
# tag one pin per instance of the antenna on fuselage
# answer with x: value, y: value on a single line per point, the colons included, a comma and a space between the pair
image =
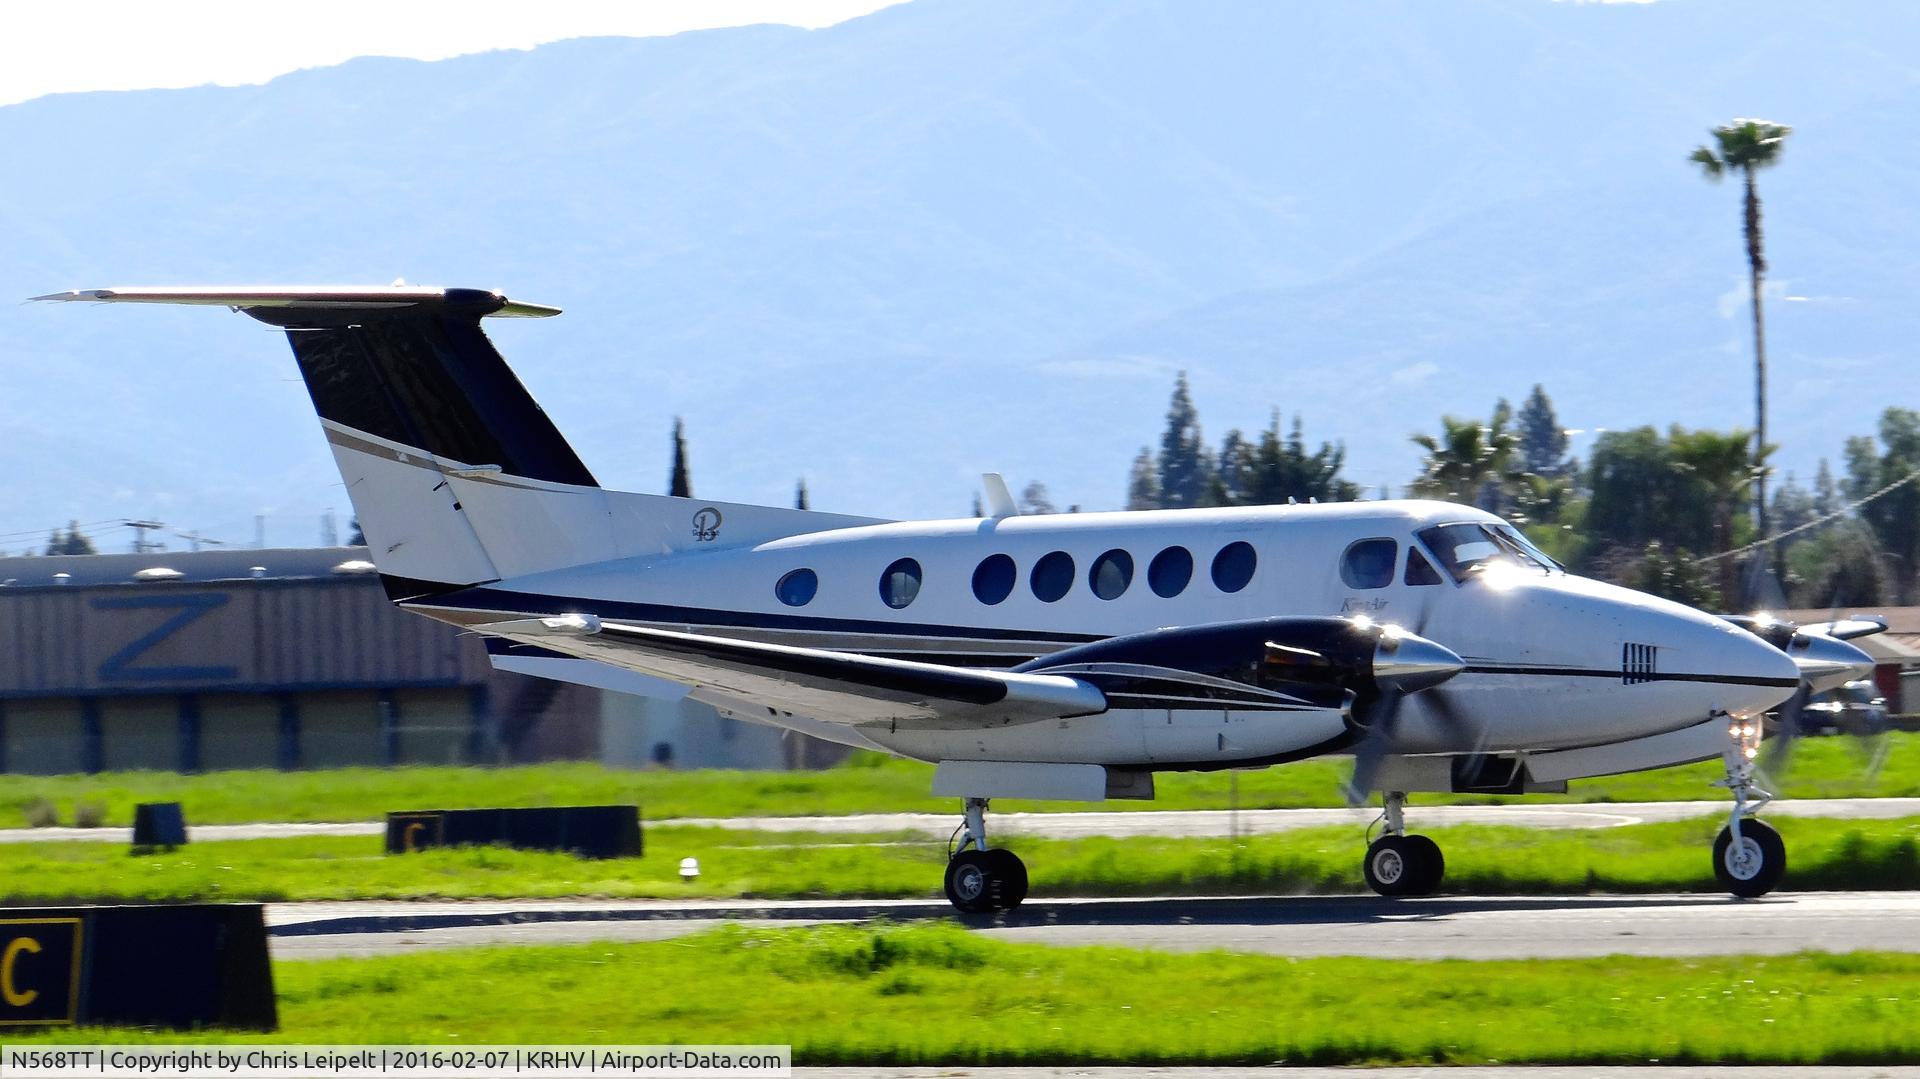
x: 1000, y: 501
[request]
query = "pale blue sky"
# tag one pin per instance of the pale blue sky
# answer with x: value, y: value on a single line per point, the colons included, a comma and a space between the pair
x: 139, y: 44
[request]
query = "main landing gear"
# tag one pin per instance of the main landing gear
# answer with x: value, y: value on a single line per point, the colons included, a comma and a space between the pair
x: 1749, y: 857
x: 982, y: 880
x: 1400, y: 864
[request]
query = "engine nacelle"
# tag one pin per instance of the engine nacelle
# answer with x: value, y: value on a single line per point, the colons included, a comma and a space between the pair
x: 1343, y: 655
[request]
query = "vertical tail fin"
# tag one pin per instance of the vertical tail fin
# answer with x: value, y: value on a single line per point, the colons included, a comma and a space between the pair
x: 456, y: 474
x: 429, y: 379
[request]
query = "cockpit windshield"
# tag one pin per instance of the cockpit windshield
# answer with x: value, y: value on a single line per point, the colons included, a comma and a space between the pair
x: 1466, y: 549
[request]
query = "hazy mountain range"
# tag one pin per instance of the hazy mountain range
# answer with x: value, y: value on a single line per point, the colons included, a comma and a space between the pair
x: 962, y: 235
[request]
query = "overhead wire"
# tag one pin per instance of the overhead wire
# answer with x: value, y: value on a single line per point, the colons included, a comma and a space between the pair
x: 1815, y: 523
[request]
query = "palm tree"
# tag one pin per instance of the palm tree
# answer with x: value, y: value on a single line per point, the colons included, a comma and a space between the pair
x: 1747, y: 146
x: 1722, y: 467
x: 1467, y: 463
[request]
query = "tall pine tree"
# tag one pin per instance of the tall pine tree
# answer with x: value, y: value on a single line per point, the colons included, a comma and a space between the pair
x: 1184, y: 468
x: 1283, y: 469
x: 679, y: 483
x: 1035, y: 500
x: 1233, y: 471
x: 1826, y: 492
x: 1543, y: 442
x: 73, y: 541
x: 1143, y: 483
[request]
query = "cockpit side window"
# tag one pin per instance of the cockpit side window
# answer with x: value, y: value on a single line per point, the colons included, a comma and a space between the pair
x: 1467, y: 548
x: 1419, y: 570
x: 1369, y: 563
x: 1518, y: 539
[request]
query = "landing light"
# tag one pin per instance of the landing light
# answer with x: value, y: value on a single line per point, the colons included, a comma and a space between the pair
x: 689, y: 869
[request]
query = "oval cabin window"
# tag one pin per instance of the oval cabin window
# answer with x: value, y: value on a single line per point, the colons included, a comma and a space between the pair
x: 900, y: 583
x: 1170, y: 571
x: 797, y: 588
x: 1369, y: 563
x: 1052, y: 576
x: 993, y: 579
x: 1233, y: 567
x: 1111, y: 574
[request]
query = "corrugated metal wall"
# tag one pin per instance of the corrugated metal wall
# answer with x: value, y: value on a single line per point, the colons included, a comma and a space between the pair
x: 231, y: 636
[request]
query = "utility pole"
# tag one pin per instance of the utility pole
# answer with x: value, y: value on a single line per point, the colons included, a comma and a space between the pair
x: 196, y: 539
x: 140, y: 530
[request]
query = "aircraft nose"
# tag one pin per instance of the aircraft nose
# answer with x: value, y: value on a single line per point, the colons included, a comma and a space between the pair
x: 1827, y: 662
x: 1755, y: 674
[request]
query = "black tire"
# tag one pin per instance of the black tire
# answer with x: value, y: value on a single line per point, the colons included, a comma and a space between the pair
x: 1011, y: 873
x: 1429, y: 865
x: 1763, y: 867
x: 973, y: 885
x: 1391, y: 866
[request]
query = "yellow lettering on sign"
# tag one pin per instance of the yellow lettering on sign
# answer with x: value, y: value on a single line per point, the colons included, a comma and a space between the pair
x: 406, y: 837
x: 14, y: 997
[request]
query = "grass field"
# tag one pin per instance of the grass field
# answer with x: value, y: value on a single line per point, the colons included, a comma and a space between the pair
x: 933, y: 994
x: 1822, y: 768
x: 1481, y: 860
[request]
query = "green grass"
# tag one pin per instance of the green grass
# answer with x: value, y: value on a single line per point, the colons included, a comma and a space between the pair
x: 1481, y: 860
x: 1823, y: 768
x: 934, y: 994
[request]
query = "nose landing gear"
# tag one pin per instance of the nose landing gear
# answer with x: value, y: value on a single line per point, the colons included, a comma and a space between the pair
x: 1398, y: 864
x: 1749, y: 857
x: 982, y: 880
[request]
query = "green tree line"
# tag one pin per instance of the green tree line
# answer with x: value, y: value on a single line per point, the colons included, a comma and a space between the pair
x: 1643, y: 509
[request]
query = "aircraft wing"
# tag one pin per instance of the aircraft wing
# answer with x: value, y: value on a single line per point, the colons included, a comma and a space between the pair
x: 839, y: 687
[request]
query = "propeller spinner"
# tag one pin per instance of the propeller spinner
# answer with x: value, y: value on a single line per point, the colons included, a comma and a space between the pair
x: 1404, y: 663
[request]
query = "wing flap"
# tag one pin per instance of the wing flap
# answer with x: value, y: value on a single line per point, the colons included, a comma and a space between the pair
x: 839, y: 687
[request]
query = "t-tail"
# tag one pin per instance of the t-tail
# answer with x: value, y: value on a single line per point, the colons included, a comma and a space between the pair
x: 456, y: 474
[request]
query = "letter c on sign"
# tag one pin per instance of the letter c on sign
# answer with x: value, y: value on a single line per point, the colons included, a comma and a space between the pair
x: 14, y: 997
x: 406, y: 837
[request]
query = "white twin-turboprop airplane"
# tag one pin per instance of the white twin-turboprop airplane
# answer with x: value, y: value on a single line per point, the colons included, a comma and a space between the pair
x: 1046, y: 657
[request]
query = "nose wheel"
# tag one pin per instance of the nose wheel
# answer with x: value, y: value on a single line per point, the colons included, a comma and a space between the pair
x: 982, y: 880
x: 1749, y: 857
x: 1398, y: 864
x: 1749, y: 863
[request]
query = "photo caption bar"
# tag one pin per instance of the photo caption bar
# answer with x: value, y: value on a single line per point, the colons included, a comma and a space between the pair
x: 396, y: 1061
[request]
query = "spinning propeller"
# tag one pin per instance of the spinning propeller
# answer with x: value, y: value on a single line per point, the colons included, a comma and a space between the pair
x: 1826, y: 663
x: 1404, y: 663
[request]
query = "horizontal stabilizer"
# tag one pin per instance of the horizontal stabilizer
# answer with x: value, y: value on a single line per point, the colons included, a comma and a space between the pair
x: 319, y: 305
x: 840, y: 687
x: 1847, y: 629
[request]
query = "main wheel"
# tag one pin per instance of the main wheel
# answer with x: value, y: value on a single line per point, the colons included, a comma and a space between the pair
x: 1011, y: 873
x: 1429, y: 865
x: 1754, y: 866
x: 1392, y: 866
x: 970, y: 886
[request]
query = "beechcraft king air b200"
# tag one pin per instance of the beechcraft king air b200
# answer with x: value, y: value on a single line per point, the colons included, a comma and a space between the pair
x: 1046, y: 657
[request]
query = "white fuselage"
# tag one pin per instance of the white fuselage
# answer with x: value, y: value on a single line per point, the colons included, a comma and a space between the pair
x: 1553, y: 660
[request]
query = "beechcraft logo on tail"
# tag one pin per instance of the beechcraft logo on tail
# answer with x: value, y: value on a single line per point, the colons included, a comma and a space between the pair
x: 706, y: 525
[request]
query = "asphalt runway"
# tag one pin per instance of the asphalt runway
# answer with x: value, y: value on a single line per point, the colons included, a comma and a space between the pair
x: 1196, y: 823
x: 1444, y: 927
